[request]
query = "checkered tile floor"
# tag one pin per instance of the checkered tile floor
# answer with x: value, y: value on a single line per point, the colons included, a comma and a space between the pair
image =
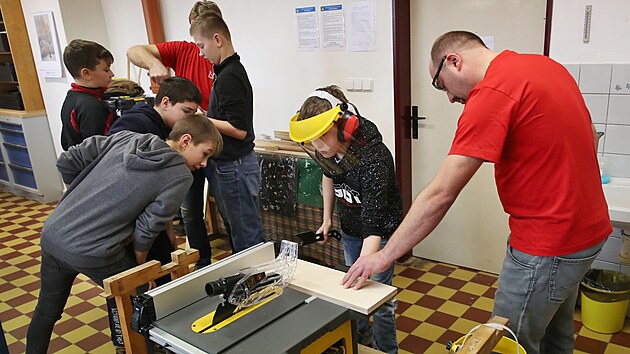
x: 437, y: 302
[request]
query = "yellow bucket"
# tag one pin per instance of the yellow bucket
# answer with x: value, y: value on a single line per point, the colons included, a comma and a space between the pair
x: 505, y: 346
x: 603, y: 317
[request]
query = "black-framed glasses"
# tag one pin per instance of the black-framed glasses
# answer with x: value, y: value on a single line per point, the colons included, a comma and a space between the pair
x: 437, y: 74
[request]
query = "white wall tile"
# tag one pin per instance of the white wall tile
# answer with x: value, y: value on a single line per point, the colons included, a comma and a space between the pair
x: 619, y: 110
x: 618, y: 165
x: 595, y: 78
x: 610, y: 251
x: 574, y: 70
x: 598, y: 106
x: 601, y: 128
x: 617, y: 137
x: 620, y: 83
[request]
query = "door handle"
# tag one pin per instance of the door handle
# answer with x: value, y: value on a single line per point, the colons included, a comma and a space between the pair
x: 414, y: 122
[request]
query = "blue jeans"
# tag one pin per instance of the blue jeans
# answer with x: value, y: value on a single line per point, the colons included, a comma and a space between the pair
x: 384, y: 331
x: 239, y: 191
x: 56, y: 282
x: 538, y: 294
x: 193, y: 213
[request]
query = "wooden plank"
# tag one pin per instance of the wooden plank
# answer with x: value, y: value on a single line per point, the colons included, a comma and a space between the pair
x: 281, y: 144
x: 22, y: 54
x: 281, y: 152
x: 22, y: 114
x: 324, y: 283
x: 282, y: 135
x: 485, y: 338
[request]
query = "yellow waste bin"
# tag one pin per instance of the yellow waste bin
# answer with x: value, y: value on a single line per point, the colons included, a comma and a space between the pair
x: 605, y: 297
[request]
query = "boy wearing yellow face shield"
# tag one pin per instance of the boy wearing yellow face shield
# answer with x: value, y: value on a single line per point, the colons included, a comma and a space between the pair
x: 359, y: 174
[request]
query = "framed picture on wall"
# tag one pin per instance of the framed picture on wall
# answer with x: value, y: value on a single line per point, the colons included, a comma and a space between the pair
x: 47, y: 52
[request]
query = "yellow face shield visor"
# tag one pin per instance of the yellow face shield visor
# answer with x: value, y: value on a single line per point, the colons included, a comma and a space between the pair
x: 307, y: 130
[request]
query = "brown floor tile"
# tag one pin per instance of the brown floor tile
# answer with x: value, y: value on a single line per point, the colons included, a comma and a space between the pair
x: 452, y: 283
x: 589, y: 345
x: 484, y: 279
x: 17, y: 347
x: 406, y: 324
x: 420, y: 287
x: 464, y: 298
x: 622, y: 339
x: 449, y: 336
x: 93, y: 342
x: 414, y: 344
x: 442, y: 269
x: 57, y: 344
x: 477, y: 315
x: 20, y: 300
x: 402, y: 306
x: 441, y: 319
x: 68, y: 325
x: 411, y: 273
x: 430, y: 302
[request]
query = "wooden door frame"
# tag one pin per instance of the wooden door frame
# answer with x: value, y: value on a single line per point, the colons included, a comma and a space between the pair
x: 401, y: 16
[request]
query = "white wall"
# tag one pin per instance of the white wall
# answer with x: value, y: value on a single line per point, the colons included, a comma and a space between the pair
x: 281, y: 76
x: 95, y: 20
x: 610, y: 27
x: 53, y: 90
x: 263, y: 34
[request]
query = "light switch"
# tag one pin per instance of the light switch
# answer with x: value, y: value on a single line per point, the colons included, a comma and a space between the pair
x: 349, y: 84
x: 357, y: 84
x: 366, y: 85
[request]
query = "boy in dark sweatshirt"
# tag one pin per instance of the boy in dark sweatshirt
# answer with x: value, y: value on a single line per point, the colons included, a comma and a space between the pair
x: 359, y: 174
x: 176, y: 98
x: 122, y: 191
x: 83, y: 113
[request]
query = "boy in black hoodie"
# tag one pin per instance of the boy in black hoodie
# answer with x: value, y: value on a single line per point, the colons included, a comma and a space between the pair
x: 359, y: 173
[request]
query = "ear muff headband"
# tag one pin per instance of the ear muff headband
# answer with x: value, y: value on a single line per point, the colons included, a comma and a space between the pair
x: 346, y: 126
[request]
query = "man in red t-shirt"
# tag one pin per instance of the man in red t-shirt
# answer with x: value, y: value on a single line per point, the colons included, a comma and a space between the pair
x: 184, y: 58
x: 525, y: 114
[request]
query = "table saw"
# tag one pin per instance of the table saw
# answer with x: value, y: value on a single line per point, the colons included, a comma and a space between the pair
x: 315, y: 314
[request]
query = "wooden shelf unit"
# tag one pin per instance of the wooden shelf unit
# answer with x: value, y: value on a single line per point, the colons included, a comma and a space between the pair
x: 27, y: 152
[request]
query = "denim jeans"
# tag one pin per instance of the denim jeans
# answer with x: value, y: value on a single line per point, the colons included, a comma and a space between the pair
x: 239, y: 191
x: 384, y: 331
x: 193, y: 213
x: 538, y: 294
x: 56, y: 282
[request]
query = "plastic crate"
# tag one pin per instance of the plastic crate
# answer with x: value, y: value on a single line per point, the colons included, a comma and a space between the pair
x: 23, y: 176
x: 13, y: 136
x: 18, y: 155
x: 11, y: 126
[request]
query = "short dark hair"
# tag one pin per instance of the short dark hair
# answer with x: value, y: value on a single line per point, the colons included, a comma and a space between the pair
x: 178, y: 89
x: 207, y: 24
x: 200, y: 128
x: 313, y: 106
x: 454, y: 40
x: 81, y: 54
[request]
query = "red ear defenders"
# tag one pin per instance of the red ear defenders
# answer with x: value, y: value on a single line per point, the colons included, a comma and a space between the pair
x: 347, y: 124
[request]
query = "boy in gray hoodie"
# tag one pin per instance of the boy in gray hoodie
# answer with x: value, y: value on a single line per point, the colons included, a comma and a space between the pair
x: 122, y: 191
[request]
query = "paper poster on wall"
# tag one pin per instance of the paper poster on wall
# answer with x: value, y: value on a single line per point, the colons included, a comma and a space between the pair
x: 332, y: 26
x: 47, y: 45
x: 361, y: 26
x: 306, y: 30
